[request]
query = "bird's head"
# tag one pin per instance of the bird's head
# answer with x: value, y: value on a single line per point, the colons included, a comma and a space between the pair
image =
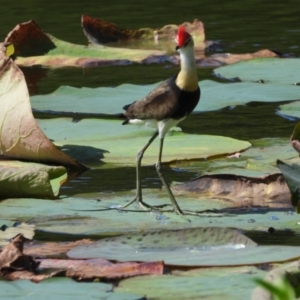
x: 183, y: 39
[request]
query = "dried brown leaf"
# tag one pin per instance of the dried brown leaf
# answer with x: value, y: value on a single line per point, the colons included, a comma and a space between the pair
x: 29, y: 40
x: 53, y: 249
x: 20, y: 135
x: 101, y: 32
x: 30, y: 275
x: 100, y: 268
x: 12, y: 257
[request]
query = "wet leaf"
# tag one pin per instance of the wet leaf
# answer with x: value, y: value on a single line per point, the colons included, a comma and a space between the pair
x: 110, y: 141
x: 187, y: 247
x: 290, y: 110
x: 63, y: 288
x: 205, y: 283
x: 241, y: 190
x: 265, y: 69
x: 291, y: 174
x: 109, y: 101
x: 20, y: 136
x: 22, y: 179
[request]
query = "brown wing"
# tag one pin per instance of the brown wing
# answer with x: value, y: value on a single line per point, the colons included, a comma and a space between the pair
x: 161, y: 103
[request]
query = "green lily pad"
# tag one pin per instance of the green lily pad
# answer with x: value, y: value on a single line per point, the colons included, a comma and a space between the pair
x: 189, y: 247
x: 232, y: 283
x: 82, y: 217
x: 109, y: 101
x: 110, y: 141
x: 264, y: 69
x: 62, y: 288
x: 22, y: 179
x: 290, y: 110
x: 256, y: 161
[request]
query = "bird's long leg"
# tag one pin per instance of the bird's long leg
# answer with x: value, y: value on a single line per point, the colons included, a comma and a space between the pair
x: 138, y: 196
x: 163, y: 180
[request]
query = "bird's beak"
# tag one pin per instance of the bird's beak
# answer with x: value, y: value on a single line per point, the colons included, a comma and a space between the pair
x: 177, y: 47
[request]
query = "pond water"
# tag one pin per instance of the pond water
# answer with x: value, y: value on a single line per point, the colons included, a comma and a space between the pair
x: 237, y: 26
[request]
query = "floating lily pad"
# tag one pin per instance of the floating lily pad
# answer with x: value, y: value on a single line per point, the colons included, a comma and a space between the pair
x: 109, y: 101
x: 109, y: 141
x: 290, y: 110
x: 62, y: 288
x: 264, y: 69
x: 212, y: 284
x: 215, y: 247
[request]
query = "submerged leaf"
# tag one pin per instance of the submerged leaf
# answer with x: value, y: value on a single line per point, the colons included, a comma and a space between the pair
x: 20, y: 136
x: 270, y: 190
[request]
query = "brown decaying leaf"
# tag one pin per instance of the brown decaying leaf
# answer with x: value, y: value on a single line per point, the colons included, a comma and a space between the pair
x: 243, y: 191
x: 20, y: 135
x: 53, y: 249
x: 12, y: 257
x: 31, y: 45
x: 99, y: 268
x: 16, y: 265
x: 101, y: 32
x: 29, y: 40
x: 27, y: 275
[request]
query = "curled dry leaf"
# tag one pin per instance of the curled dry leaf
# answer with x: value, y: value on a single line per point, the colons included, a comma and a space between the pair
x: 20, y: 135
x: 29, y: 40
x: 270, y: 190
x: 101, y: 32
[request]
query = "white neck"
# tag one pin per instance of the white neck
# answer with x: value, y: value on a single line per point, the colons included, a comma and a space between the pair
x: 187, y: 59
x: 187, y: 78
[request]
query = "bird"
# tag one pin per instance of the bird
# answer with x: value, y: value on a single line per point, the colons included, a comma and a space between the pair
x: 164, y: 107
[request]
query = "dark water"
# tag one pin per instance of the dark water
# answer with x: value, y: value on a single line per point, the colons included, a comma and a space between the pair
x: 237, y: 26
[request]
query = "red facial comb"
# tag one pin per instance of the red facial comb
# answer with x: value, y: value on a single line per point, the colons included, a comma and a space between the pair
x: 182, y: 36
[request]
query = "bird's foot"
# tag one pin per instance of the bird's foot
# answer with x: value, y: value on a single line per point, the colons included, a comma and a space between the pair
x: 144, y: 207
